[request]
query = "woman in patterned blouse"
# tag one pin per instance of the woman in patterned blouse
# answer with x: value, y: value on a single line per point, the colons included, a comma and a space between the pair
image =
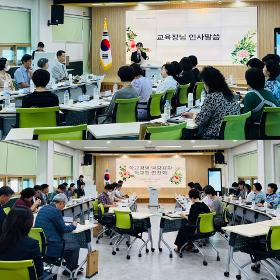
x: 219, y: 102
x: 271, y: 71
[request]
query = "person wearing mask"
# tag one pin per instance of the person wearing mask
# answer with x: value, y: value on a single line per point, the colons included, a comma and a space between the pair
x: 60, y: 189
x: 255, y: 63
x: 186, y: 232
x: 272, y: 71
x: 40, y: 48
x: 144, y: 88
x: 272, y: 197
x: 44, y: 194
x: 195, y: 70
x: 117, y: 193
x: 168, y: 71
x: 275, y: 58
x: 16, y: 245
x: 249, y: 195
x: 23, y: 74
x: 104, y: 198
x: 5, y: 78
x: 259, y: 195
x: 50, y: 219
x: 5, y: 195
x: 43, y: 63
x: 219, y: 102
x: 80, y: 181
x: 139, y: 55
x: 26, y: 199
x: 38, y: 193
x: 71, y: 191
x: 40, y: 97
x: 187, y: 76
x: 256, y: 99
x: 126, y: 75
x: 59, y: 71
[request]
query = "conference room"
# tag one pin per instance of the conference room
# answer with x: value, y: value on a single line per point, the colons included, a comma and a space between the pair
x: 153, y: 70
x: 141, y: 209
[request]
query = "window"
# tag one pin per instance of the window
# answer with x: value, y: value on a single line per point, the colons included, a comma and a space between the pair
x: 59, y: 180
x: 14, y: 53
x: 18, y: 183
x: 2, y: 181
x: 248, y: 180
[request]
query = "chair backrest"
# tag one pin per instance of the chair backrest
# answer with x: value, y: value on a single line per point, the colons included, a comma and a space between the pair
x: 38, y: 234
x: 18, y: 270
x: 37, y: 117
x: 155, y: 105
x: 170, y: 132
x: 198, y: 88
x: 270, y: 123
x: 123, y: 219
x: 205, y: 223
x: 125, y: 110
x: 95, y: 207
x: 7, y: 210
x: 61, y: 133
x: 169, y: 94
x: 101, y: 210
x: 182, y: 95
x: 234, y: 127
x: 273, y: 239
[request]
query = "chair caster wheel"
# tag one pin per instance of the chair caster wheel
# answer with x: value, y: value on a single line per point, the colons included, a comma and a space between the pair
x: 170, y: 256
x: 152, y: 249
x: 127, y: 243
x: 139, y: 255
x: 160, y: 249
x: 218, y: 259
x: 97, y: 241
x: 181, y: 255
x: 238, y: 277
x: 114, y: 253
x: 117, y: 249
x: 226, y: 274
x: 128, y: 257
x: 111, y: 243
x: 147, y: 250
x: 205, y: 263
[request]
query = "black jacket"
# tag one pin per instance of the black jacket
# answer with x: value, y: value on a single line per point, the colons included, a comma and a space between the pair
x: 136, y: 58
x: 40, y: 99
x: 186, y: 77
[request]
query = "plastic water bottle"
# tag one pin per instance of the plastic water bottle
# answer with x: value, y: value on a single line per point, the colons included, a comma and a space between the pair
x: 66, y: 97
x: 240, y: 201
x: 203, y: 95
x: 6, y: 94
x: 32, y: 86
x: 70, y: 77
x: 91, y: 217
x: 82, y: 218
x: 265, y: 205
x: 253, y: 204
x: 115, y: 88
x: 167, y: 109
x: 190, y: 100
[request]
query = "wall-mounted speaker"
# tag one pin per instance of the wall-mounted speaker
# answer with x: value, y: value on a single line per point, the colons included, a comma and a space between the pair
x: 57, y: 15
x: 88, y: 159
x: 219, y: 158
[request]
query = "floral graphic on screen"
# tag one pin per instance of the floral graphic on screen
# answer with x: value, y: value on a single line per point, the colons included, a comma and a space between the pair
x: 176, y: 177
x: 131, y: 42
x: 245, y: 49
x: 124, y: 173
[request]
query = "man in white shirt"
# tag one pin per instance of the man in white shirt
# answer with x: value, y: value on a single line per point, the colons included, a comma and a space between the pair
x: 59, y: 71
x: 168, y: 71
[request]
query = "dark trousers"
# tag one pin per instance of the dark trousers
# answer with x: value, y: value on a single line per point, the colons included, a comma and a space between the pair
x: 71, y: 254
x: 184, y: 235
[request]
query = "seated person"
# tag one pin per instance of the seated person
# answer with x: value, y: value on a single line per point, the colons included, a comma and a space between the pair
x: 59, y: 71
x: 44, y: 194
x: 5, y: 195
x: 240, y: 192
x: 195, y: 70
x: 126, y: 74
x: 272, y: 197
x: 104, y: 198
x: 60, y: 189
x: 143, y: 86
x: 50, y: 219
x: 168, y: 71
x: 219, y: 102
x: 24, y: 73
x: 15, y: 245
x: 272, y: 71
x: 255, y: 63
x: 186, y: 232
x: 187, y: 75
x: 71, y: 191
x: 249, y: 195
x: 43, y: 63
x: 26, y: 199
x: 259, y: 195
x: 275, y: 58
x: 117, y: 192
x: 40, y: 97
x: 5, y: 78
x: 114, y: 197
x: 178, y: 69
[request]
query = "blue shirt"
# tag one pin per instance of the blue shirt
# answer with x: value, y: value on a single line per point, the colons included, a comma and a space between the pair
x: 22, y: 76
x: 260, y: 197
x: 274, y: 87
x: 272, y: 199
x: 143, y: 87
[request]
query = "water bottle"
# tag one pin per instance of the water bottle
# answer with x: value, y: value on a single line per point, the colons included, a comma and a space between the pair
x: 203, y: 95
x: 190, y: 100
x: 32, y: 86
x: 115, y: 88
x: 6, y: 94
x: 91, y: 217
x: 265, y: 205
x: 253, y: 204
x: 95, y: 93
x: 66, y: 97
x: 70, y: 77
x: 167, y: 109
x: 82, y: 218
x: 240, y: 200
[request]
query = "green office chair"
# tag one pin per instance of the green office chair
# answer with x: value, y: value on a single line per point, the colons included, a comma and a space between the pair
x: 198, y: 88
x: 38, y: 234
x: 7, y: 210
x: 154, y: 107
x: 234, y: 127
x: 61, y: 133
x: 124, y: 227
x: 37, y: 117
x: 169, y: 95
x: 204, y: 229
x: 125, y: 110
x: 261, y: 252
x: 182, y: 95
x: 170, y: 132
x: 270, y: 123
x: 18, y: 270
x: 95, y: 208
